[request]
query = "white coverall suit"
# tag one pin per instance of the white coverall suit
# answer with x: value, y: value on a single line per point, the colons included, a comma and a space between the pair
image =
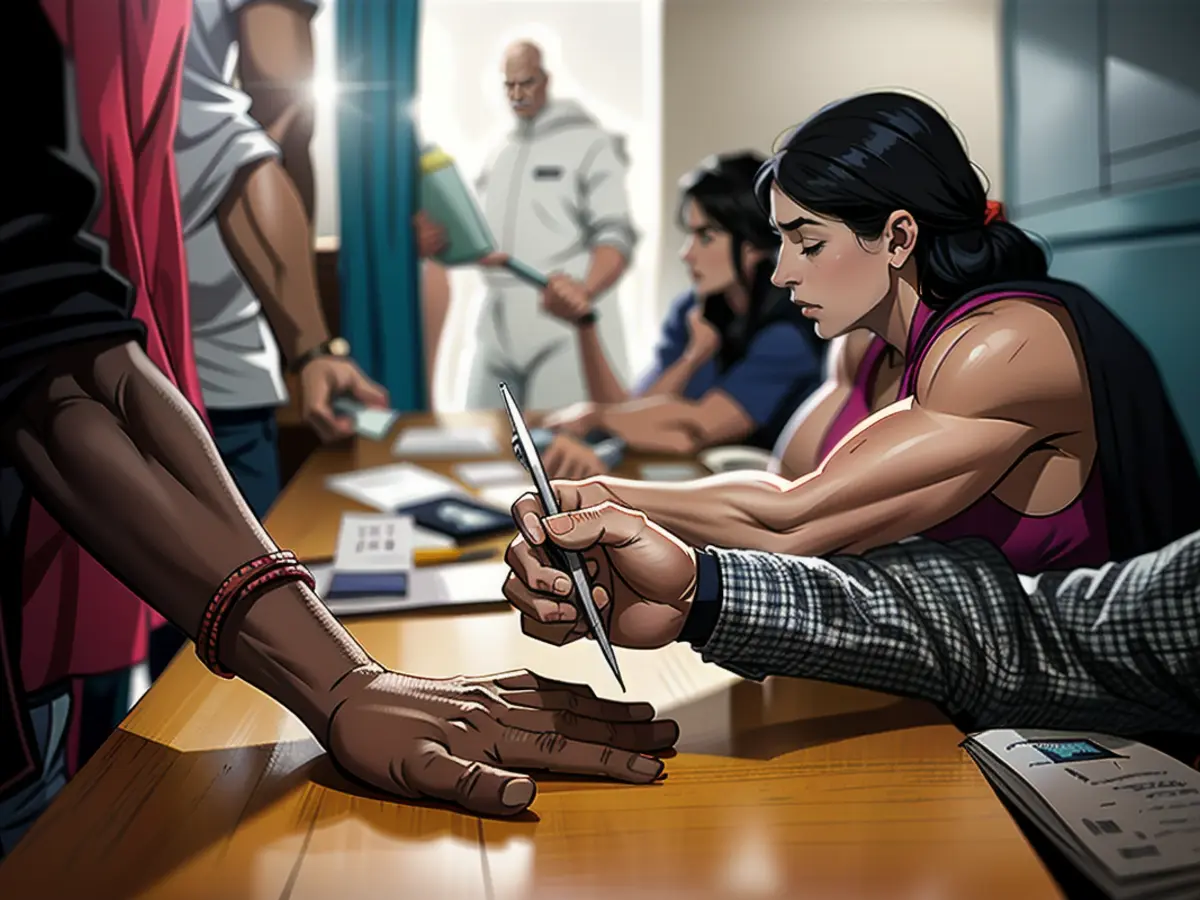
x: 553, y: 192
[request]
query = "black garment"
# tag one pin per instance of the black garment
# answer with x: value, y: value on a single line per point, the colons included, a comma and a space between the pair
x: 55, y: 291
x: 1151, y: 485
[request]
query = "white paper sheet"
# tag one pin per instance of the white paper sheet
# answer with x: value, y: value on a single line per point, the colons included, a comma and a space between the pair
x: 374, y: 542
x: 388, y: 487
x: 491, y: 474
x: 504, y: 496
x: 428, y: 441
x: 456, y: 584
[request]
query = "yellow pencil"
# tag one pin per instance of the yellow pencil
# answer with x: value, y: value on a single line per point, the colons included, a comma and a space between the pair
x: 441, y: 556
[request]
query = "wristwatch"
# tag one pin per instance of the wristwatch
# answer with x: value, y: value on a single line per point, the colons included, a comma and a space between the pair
x: 588, y: 318
x: 338, y: 346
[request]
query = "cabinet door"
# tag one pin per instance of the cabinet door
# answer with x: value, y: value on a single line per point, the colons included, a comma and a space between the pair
x: 1054, y: 97
x: 1152, y: 91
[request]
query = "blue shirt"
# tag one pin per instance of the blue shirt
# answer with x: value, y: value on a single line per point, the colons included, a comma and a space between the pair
x: 770, y: 381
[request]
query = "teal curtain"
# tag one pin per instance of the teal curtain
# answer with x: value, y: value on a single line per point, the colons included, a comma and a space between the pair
x: 377, y: 174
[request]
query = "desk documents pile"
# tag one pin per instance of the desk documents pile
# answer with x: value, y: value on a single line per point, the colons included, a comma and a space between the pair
x: 1126, y: 815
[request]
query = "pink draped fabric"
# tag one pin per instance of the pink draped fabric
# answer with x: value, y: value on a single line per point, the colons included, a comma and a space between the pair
x: 78, y: 618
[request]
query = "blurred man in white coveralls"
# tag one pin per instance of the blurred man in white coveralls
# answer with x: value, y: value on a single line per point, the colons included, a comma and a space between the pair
x: 554, y: 197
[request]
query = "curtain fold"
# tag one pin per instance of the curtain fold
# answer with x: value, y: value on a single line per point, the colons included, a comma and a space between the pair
x: 378, y: 158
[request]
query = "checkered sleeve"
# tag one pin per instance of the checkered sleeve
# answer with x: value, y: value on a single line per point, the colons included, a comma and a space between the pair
x: 1114, y: 649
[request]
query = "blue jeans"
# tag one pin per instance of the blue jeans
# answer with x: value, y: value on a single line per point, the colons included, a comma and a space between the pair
x: 248, y: 441
x: 51, y: 714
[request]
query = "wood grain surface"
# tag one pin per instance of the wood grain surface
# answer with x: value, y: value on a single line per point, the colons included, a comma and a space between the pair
x: 787, y: 788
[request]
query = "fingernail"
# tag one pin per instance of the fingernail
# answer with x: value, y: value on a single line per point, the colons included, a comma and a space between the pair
x: 562, y: 585
x: 560, y: 524
x: 646, y: 765
x: 517, y: 793
x: 533, y: 527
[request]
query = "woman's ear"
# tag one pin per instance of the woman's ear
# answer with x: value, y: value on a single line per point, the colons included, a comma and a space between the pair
x: 901, y: 234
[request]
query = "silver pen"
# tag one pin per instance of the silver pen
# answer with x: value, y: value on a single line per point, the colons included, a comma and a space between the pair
x: 568, y: 561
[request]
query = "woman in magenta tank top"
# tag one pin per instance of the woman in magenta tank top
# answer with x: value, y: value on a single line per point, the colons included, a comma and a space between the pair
x: 970, y: 394
x: 886, y: 228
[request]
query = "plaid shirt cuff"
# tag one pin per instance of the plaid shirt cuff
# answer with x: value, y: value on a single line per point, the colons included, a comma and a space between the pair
x: 760, y: 623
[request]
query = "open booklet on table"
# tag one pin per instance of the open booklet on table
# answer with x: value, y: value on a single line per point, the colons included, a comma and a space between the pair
x: 1127, y: 816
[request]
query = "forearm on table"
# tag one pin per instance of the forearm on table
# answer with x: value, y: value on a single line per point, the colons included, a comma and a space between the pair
x: 955, y: 626
x: 114, y: 451
x: 899, y: 476
x: 269, y: 235
x: 665, y: 424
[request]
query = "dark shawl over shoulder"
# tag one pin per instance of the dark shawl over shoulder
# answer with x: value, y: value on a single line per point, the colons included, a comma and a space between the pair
x: 1151, y: 486
x: 55, y: 291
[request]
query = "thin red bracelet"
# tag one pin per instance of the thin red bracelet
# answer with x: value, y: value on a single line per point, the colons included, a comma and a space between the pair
x: 268, y: 569
x: 265, y: 577
x: 232, y: 585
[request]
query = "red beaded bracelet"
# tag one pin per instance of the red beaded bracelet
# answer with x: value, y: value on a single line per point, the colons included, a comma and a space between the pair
x: 268, y: 570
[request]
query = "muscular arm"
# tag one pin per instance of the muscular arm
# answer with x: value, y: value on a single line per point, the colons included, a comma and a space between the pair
x: 994, y: 386
x: 666, y: 424
x: 266, y: 218
x: 103, y: 439
x: 124, y: 463
x: 1108, y: 650
x: 798, y: 450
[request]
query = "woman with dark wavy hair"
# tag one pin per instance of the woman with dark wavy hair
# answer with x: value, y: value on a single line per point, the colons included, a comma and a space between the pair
x: 970, y: 393
x: 734, y: 359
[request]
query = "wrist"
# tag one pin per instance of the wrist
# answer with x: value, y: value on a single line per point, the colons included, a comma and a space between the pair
x: 703, y: 605
x: 334, y: 347
x: 288, y: 645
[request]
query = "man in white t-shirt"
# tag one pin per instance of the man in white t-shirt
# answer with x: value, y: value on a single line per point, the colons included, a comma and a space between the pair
x: 247, y: 198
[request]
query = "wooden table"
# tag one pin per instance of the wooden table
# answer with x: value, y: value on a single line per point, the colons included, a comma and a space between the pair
x: 783, y: 789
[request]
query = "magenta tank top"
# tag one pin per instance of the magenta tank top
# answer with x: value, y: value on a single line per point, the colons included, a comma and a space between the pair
x: 1074, y: 536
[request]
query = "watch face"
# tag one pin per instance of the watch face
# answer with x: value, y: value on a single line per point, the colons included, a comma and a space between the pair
x: 339, y: 346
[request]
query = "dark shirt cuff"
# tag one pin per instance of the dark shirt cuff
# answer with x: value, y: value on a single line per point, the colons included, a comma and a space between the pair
x: 706, y: 608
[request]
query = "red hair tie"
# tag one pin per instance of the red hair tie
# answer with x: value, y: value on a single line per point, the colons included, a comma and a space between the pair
x: 995, y: 212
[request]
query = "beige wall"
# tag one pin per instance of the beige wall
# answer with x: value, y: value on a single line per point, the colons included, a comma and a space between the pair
x: 737, y: 73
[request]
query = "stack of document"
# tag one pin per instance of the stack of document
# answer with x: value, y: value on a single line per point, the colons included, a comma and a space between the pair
x: 446, y: 442
x: 374, y: 556
x: 1126, y: 815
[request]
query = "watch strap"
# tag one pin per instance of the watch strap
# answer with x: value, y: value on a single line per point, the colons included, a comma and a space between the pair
x: 333, y: 347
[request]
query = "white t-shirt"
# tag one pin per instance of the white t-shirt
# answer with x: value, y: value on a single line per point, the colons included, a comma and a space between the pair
x: 237, y: 358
